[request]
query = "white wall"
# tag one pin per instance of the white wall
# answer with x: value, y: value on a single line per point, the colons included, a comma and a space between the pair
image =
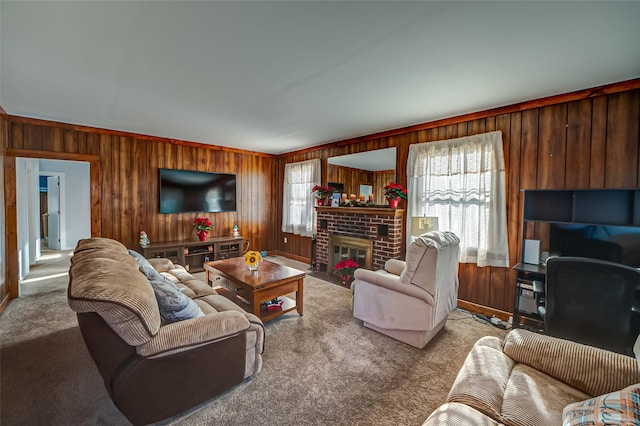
x: 27, y: 208
x: 76, y: 223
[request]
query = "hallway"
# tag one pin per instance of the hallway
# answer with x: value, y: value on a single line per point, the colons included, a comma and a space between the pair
x: 49, y: 273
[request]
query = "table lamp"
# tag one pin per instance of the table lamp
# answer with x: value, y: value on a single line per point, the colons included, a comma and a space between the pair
x: 423, y: 224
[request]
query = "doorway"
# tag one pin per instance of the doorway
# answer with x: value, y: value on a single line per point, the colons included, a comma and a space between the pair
x: 48, y: 233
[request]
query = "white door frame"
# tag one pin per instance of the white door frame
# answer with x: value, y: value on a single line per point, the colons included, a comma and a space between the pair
x: 62, y: 200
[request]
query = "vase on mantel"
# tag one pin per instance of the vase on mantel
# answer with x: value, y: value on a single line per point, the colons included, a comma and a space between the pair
x: 321, y: 201
x: 202, y: 235
x: 393, y: 202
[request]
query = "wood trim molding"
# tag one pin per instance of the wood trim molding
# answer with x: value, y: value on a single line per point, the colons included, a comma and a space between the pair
x: 89, y: 129
x: 5, y: 303
x: 50, y: 155
x: 484, y: 310
x: 289, y: 256
x: 607, y: 89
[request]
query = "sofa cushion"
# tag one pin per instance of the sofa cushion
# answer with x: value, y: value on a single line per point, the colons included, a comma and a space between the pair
x: 483, y: 378
x: 546, y: 397
x: 591, y: 370
x: 453, y: 413
x: 615, y: 408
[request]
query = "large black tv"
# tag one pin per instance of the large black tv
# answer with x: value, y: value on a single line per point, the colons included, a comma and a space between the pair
x: 620, y: 244
x: 191, y: 191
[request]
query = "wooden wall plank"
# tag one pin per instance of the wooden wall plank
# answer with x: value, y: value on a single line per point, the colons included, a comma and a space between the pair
x: 598, y: 142
x: 578, y: 144
x: 106, y: 211
x: 70, y: 141
x: 17, y: 137
x: 551, y: 147
x: 621, y: 164
x: 529, y: 150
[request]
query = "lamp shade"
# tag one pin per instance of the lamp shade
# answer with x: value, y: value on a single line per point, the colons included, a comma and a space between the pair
x: 423, y: 224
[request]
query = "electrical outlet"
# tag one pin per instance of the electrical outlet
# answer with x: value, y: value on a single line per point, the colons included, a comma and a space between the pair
x: 285, y: 240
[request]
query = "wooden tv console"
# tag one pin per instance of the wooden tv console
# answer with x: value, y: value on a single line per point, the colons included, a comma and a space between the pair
x: 193, y: 254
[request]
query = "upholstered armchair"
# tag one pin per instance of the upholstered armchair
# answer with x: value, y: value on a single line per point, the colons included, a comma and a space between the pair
x: 410, y: 301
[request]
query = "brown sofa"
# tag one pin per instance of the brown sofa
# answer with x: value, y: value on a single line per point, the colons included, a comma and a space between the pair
x: 529, y: 379
x: 152, y: 369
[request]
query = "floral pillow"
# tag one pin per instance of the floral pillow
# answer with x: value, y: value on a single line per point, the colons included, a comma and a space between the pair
x: 615, y: 408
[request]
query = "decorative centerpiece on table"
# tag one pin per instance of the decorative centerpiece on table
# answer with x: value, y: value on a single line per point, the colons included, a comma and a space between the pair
x: 252, y: 259
x: 144, y: 240
x: 322, y: 194
x: 394, y: 192
x: 344, y: 269
x: 202, y: 226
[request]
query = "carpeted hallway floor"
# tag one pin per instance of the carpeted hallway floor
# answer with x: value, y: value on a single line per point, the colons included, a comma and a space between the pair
x: 322, y: 368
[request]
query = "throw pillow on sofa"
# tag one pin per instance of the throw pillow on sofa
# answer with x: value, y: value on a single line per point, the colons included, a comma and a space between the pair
x: 619, y: 408
x: 142, y: 261
x: 173, y: 304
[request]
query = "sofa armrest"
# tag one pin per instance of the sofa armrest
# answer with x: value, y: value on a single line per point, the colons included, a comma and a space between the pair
x: 591, y: 370
x: 184, y: 335
x: 391, y: 282
x: 395, y: 266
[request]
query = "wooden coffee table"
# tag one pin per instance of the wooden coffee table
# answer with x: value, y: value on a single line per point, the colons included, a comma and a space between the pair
x: 250, y: 289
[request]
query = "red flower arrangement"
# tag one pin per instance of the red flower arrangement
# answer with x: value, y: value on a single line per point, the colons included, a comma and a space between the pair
x: 203, y: 224
x: 395, y: 190
x: 322, y: 191
x: 345, y: 267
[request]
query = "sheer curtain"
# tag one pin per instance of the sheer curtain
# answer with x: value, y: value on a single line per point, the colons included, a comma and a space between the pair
x: 462, y: 182
x: 298, y: 214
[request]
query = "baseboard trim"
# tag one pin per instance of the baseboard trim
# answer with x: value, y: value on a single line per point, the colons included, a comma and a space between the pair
x: 483, y: 310
x: 4, y: 303
x: 290, y: 256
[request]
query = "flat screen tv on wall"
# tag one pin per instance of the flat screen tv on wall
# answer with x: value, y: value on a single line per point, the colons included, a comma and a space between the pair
x: 191, y: 191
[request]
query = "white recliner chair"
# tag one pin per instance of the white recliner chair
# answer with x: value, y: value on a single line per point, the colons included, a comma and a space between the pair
x: 410, y: 301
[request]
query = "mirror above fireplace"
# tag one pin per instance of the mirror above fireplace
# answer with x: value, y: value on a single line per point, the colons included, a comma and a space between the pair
x: 374, y: 161
x: 373, y: 169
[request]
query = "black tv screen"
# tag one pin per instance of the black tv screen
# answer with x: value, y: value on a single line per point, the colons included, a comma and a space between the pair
x: 190, y: 191
x: 620, y: 244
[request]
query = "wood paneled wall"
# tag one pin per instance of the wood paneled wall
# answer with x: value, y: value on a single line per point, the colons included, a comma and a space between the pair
x: 124, y: 179
x: 586, y: 139
x: 353, y: 178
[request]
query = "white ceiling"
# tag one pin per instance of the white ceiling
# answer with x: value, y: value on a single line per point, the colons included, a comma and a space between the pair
x: 275, y: 76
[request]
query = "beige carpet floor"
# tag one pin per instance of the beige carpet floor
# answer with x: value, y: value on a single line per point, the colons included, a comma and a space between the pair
x: 323, y: 368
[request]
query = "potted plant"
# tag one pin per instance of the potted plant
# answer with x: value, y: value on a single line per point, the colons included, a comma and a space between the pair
x: 202, y: 226
x: 394, y: 192
x: 344, y: 269
x: 321, y: 193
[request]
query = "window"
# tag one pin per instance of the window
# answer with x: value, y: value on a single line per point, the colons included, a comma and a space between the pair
x: 462, y: 183
x: 298, y: 214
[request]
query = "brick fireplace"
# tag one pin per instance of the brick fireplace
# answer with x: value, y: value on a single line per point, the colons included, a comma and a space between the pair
x: 371, y: 235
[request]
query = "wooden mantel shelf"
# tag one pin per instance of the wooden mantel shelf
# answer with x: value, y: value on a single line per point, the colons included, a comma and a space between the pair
x: 361, y: 210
